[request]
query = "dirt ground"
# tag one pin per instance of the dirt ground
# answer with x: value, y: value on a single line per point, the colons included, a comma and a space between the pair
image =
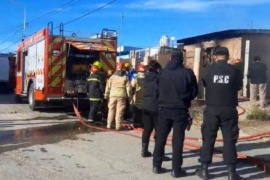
x: 248, y: 127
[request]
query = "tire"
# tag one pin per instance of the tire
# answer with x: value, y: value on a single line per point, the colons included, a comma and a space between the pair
x: 18, y: 99
x: 31, y: 99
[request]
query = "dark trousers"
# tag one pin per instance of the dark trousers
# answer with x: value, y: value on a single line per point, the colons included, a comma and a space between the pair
x: 225, y: 118
x: 149, y: 121
x: 104, y: 109
x: 176, y: 119
x: 94, y: 108
x: 137, y: 115
x: 128, y: 113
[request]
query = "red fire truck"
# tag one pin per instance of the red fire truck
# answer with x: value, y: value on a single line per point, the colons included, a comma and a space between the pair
x: 54, y: 68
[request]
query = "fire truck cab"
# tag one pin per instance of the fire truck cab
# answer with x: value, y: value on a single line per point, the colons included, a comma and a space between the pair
x: 54, y: 68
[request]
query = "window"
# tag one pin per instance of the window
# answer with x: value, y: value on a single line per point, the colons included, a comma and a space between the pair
x: 108, y: 56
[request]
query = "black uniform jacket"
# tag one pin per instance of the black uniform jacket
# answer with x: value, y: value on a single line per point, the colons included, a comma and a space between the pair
x: 177, y: 86
x: 96, y: 86
x: 222, y: 81
x: 257, y: 73
x: 150, y: 101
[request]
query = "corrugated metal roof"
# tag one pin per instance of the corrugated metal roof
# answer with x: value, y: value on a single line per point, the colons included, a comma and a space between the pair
x: 222, y: 35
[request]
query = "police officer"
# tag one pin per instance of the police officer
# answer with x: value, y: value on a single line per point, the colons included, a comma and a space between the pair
x: 177, y: 86
x: 222, y: 81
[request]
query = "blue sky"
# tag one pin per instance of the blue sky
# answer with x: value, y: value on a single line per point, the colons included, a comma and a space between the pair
x: 144, y: 22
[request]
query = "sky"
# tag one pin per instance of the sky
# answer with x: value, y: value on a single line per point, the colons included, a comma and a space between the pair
x: 139, y: 23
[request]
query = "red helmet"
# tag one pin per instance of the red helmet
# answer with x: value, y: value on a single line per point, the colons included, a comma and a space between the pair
x: 141, y: 68
x: 94, y: 69
x: 120, y: 66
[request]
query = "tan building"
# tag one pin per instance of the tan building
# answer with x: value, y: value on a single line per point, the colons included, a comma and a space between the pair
x: 242, y: 44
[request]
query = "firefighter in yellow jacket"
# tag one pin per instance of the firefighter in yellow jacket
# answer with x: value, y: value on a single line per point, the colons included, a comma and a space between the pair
x: 137, y: 92
x: 117, y: 91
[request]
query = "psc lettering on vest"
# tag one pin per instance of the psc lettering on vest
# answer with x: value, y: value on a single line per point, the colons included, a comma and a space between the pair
x: 220, y: 79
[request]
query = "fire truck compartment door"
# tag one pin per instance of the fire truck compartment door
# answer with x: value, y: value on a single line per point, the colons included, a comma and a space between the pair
x: 88, y: 46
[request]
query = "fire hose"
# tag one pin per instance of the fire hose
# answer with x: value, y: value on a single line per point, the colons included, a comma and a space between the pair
x: 258, y: 162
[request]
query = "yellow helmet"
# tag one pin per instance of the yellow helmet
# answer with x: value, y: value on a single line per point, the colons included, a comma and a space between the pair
x: 126, y: 65
x: 98, y: 64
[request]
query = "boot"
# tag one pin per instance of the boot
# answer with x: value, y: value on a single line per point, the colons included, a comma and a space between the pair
x: 178, y: 173
x: 145, y: 152
x: 232, y: 175
x: 166, y: 158
x: 158, y: 170
x: 203, y: 172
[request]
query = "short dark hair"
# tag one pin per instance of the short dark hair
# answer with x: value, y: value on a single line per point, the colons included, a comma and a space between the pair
x: 223, y: 51
x: 257, y: 58
x: 153, y: 66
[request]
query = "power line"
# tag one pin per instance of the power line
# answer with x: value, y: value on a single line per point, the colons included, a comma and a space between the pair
x: 101, y: 7
x: 45, y: 15
x: 16, y: 32
x: 140, y: 5
x: 11, y: 29
x: 57, y: 10
x: 122, y: 20
x: 14, y: 43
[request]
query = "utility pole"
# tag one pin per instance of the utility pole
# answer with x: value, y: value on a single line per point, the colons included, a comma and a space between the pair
x: 121, y: 33
x: 24, y: 23
x: 24, y: 17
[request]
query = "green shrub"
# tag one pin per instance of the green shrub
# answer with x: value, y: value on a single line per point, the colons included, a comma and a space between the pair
x: 258, y: 114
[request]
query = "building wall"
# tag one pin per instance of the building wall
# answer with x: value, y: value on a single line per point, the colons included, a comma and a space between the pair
x: 189, y: 55
x: 235, y: 49
x: 234, y: 45
x: 260, y: 46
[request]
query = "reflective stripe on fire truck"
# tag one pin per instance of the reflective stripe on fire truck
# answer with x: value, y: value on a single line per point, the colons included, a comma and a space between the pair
x: 108, y: 60
x: 111, y: 45
x: 57, y: 64
x: 64, y: 60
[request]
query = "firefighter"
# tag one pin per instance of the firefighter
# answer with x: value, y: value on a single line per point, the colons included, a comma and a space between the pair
x: 177, y: 87
x: 128, y: 110
x: 117, y: 92
x: 222, y: 81
x: 105, y: 109
x: 109, y: 74
x: 98, y: 64
x: 137, y: 92
x: 127, y: 68
x: 96, y: 86
x: 131, y: 73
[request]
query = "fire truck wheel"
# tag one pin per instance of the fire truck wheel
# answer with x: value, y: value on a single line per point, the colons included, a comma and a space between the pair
x: 31, y: 98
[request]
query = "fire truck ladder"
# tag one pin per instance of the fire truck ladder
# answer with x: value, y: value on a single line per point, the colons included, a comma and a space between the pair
x: 56, y: 72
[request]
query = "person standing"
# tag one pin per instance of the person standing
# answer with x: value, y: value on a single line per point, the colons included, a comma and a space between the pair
x: 222, y: 82
x: 96, y: 87
x: 149, y: 106
x: 258, y: 80
x: 104, y: 106
x: 137, y: 92
x: 177, y: 87
x: 117, y: 91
